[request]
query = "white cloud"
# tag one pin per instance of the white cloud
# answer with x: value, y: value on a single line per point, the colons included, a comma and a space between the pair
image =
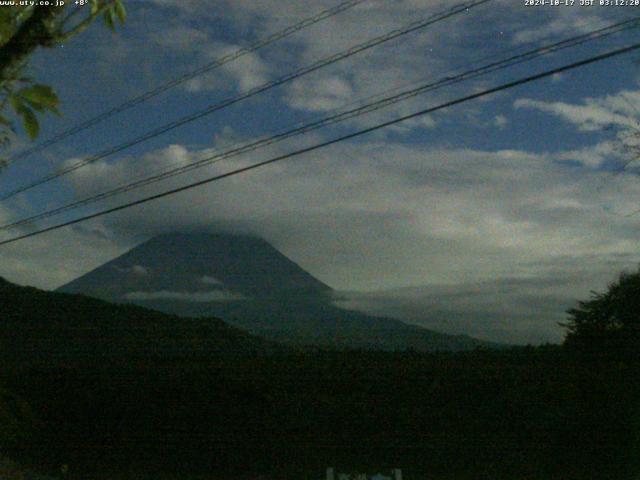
x: 247, y: 72
x: 52, y: 259
x: 620, y: 112
x: 319, y: 94
x: 563, y: 21
x: 592, y: 156
x: 140, y: 270
x: 500, y: 121
x: 182, y: 39
x: 515, y: 309
x: 595, y: 113
x: 195, y: 297
x: 100, y: 175
x: 378, y: 215
x: 405, y: 61
x: 210, y: 280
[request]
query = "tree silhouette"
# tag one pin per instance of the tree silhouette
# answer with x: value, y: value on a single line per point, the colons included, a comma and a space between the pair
x: 609, y: 322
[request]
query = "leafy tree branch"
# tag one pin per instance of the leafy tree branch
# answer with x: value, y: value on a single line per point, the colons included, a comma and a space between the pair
x: 25, y: 29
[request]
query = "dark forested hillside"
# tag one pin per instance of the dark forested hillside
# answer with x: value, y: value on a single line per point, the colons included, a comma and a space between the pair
x: 124, y: 393
x: 38, y: 325
x: 535, y: 414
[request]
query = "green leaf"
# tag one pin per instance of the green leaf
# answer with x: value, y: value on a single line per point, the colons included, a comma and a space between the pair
x: 30, y: 122
x: 109, y: 18
x: 40, y: 96
x: 29, y: 119
x: 23, y: 14
x: 36, y: 106
x: 6, y: 32
x: 121, y: 12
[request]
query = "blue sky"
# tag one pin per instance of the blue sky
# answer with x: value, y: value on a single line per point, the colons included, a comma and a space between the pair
x: 489, y: 218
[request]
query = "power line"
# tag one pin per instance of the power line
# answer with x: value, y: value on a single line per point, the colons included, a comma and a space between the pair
x: 339, y: 117
x: 526, y: 56
x: 230, y: 101
x: 411, y: 27
x: 318, y: 146
x: 143, y: 97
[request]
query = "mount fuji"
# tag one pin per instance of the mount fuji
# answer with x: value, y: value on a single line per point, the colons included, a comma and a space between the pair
x: 245, y: 281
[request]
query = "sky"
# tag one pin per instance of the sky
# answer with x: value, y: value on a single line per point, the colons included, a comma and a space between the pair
x: 489, y: 218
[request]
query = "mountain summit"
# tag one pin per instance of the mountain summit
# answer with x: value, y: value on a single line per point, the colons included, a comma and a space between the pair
x: 197, y: 265
x: 249, y: 284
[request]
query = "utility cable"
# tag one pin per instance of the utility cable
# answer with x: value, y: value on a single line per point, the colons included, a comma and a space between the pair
x: 143, y: 97
x: 325, y: 144
x: 338, y: 117
x: 459, y: 8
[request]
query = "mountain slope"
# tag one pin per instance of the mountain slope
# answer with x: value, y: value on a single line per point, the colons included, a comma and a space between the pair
x: 49, y: 326
x: 251, y: 285
x: 198, y: 263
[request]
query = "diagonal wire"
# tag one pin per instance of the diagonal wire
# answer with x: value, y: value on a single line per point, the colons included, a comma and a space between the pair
x: 416, y: 25
x: 132, y: 102
x: 505, y: 86
x: 340, y: 117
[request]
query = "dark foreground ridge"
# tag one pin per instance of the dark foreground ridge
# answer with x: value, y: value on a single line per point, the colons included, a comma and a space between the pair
x: 251, y: 285
x: 57, y: 327
x: 122, y: 392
